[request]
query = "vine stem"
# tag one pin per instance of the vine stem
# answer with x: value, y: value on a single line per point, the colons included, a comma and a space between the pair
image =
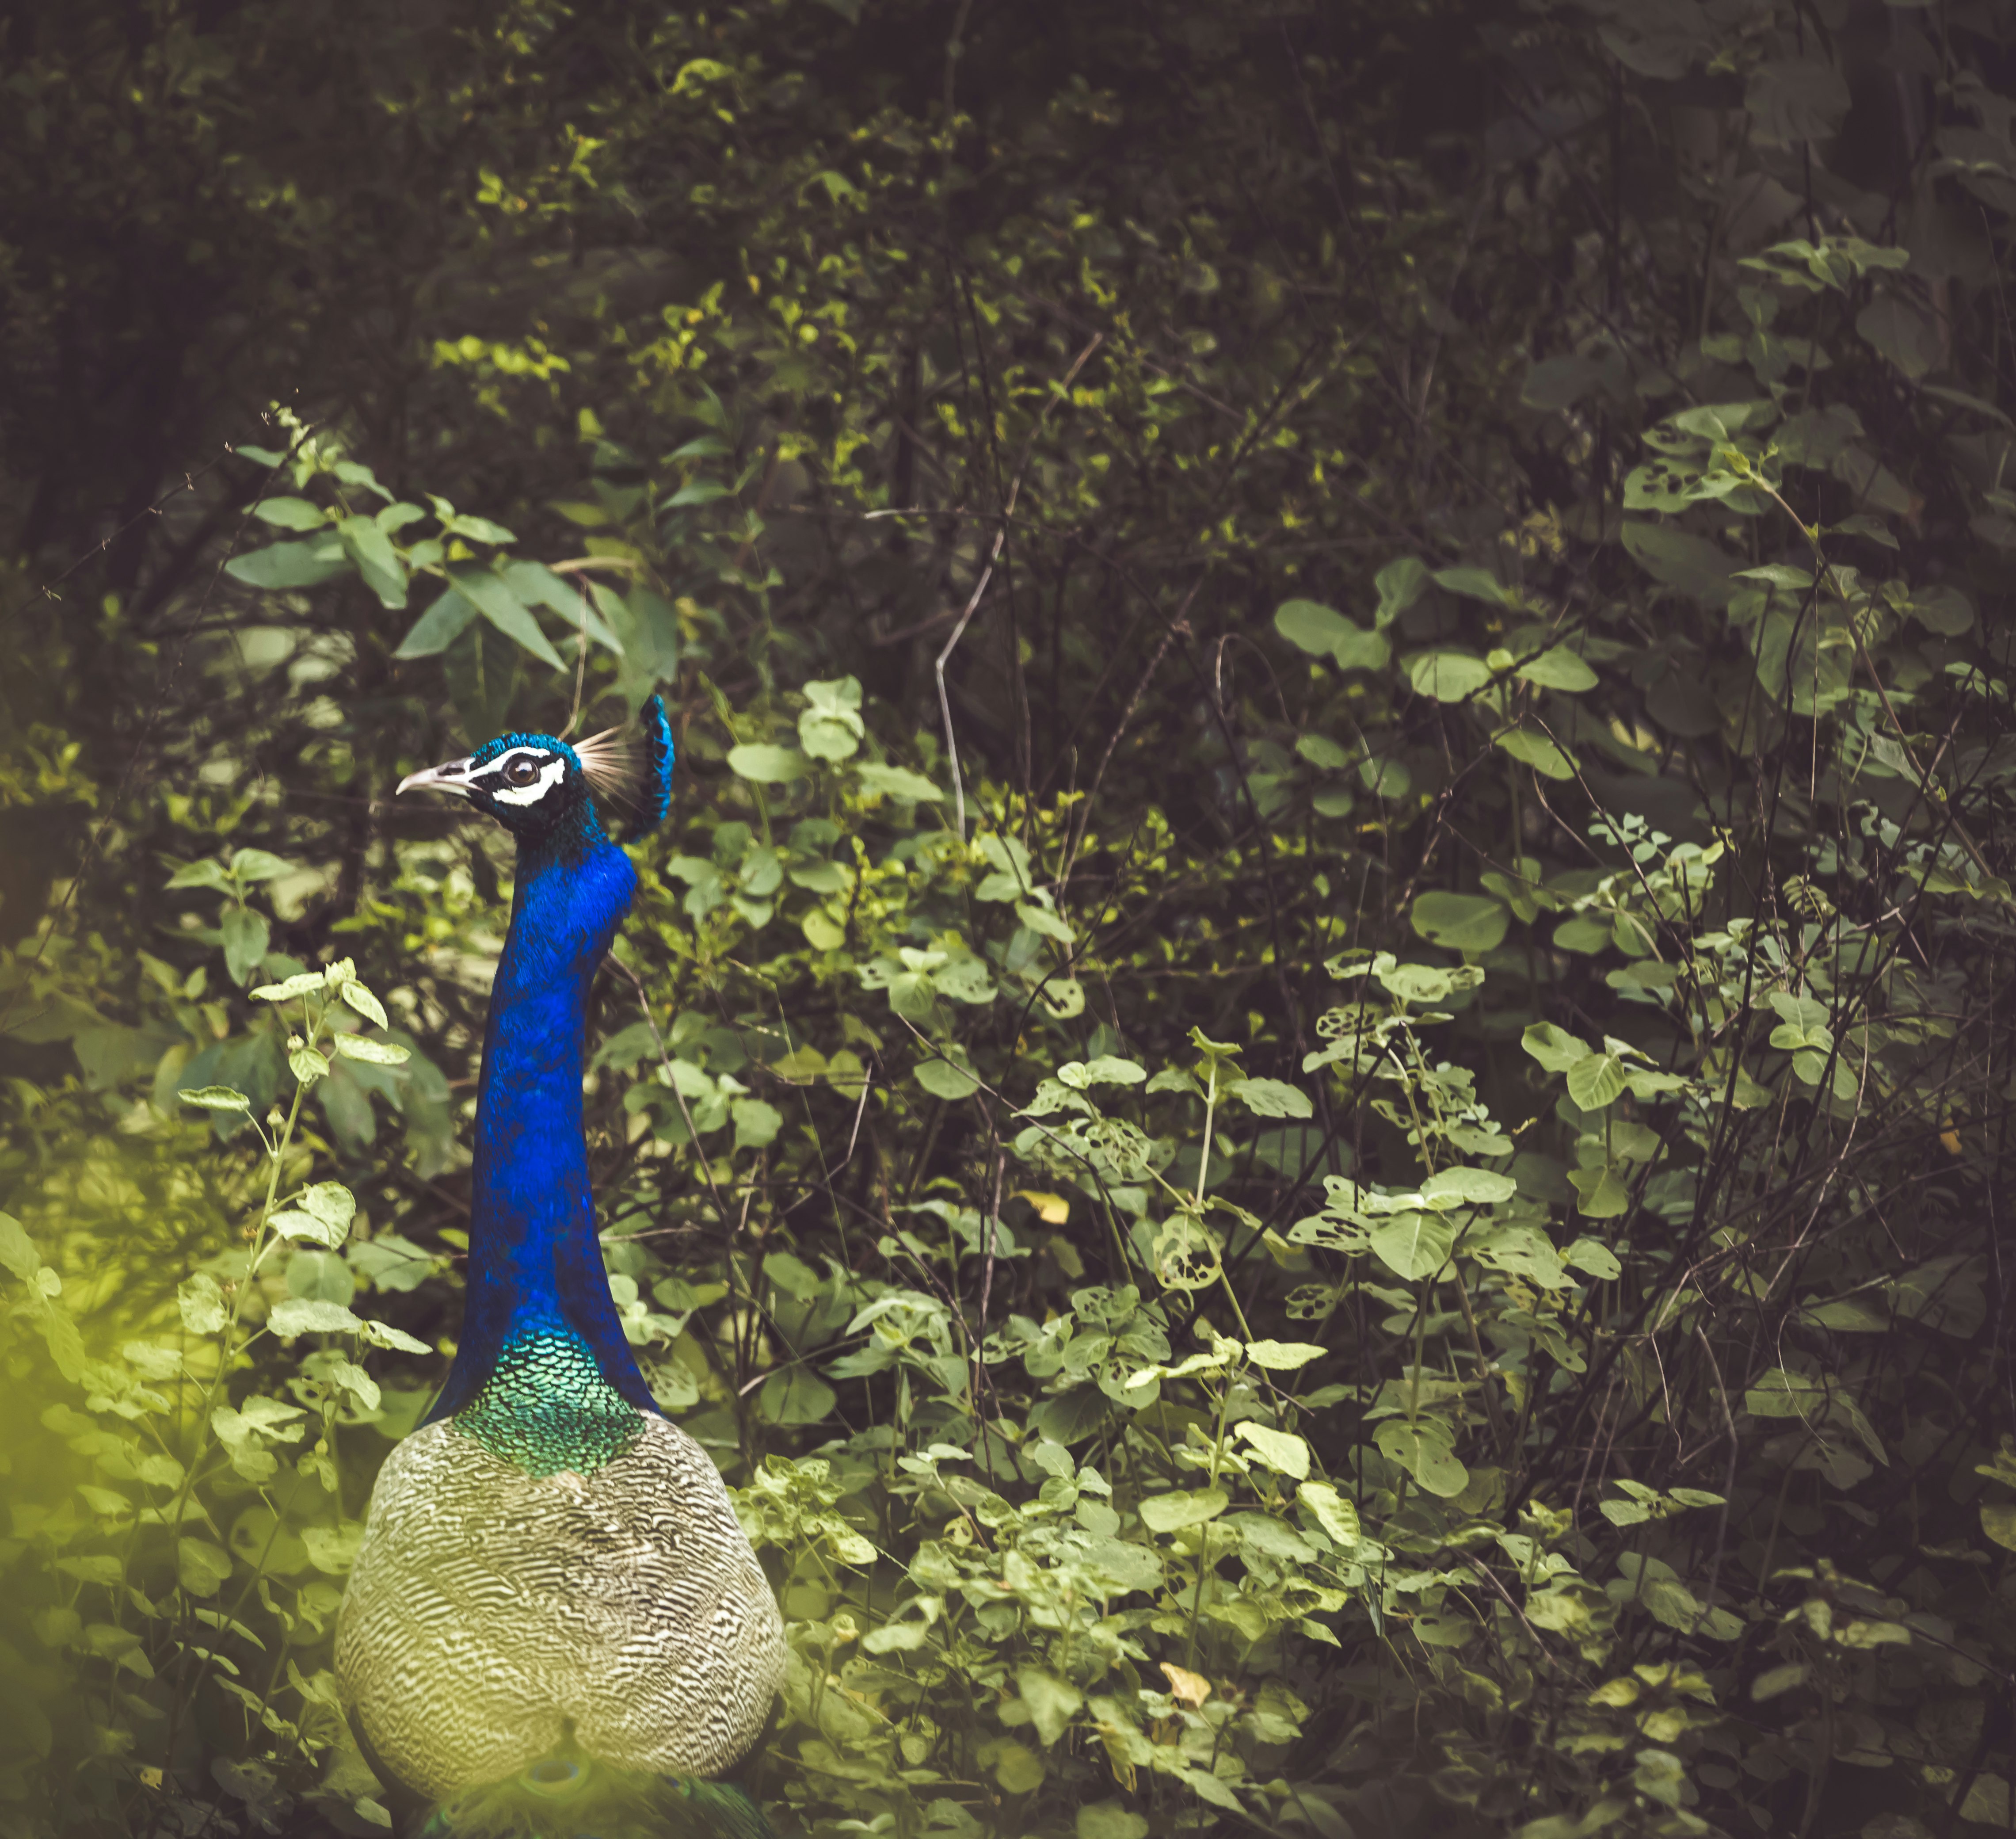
x: 276, y: 1151
x: 1811, y: 533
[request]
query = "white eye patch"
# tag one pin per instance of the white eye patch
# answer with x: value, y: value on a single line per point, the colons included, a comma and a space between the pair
x: 550, y: 774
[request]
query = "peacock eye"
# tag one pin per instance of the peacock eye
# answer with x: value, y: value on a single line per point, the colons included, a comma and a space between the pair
x: 521, y: 772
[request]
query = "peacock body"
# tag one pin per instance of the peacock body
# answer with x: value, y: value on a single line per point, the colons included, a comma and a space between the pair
x: 554, y: 1624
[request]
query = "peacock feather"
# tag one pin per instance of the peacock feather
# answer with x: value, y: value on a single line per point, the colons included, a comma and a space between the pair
x: 555, y: 1627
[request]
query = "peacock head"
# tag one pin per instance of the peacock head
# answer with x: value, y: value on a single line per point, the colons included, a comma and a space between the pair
x: 542, y: 789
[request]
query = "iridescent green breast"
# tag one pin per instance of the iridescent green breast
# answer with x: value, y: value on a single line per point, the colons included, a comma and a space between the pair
x: 546, y: 1407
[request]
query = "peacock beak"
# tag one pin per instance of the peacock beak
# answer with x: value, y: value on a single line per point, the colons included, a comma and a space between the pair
x: 451, y: 776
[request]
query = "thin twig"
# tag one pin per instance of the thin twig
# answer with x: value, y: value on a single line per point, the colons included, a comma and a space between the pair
x: 987, y: 573
x: 580, y: 664
x: 1178, y: 625
x: 665, y: 1061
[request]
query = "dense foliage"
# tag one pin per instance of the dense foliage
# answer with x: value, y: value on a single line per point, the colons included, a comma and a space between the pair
x: 1310, y: 1099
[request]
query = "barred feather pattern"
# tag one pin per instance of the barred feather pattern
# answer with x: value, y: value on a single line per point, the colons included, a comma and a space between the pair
x: 493, y: 1614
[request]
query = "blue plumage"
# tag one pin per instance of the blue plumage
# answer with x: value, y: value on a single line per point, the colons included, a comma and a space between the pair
x: 658, y: 756
x: 535, y: 1266
x: 555, y: 1627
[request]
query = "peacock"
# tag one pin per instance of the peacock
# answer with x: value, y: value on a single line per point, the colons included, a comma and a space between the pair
x: 555, y: 1627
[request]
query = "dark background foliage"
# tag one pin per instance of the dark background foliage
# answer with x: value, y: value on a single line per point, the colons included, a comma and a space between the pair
x: 1310, y: 1095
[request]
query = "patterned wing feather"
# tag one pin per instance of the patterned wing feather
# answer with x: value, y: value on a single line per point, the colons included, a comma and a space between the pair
x: 492, y: 1612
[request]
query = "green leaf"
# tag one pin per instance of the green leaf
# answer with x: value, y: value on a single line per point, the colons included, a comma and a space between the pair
x: 1108, y: 1819
x: 439, y: 627
x: 1596, y: 1080
x: 332, y: 1549
x: 259, y: 864
x: 1475, y: 1187
x: 304, y: 1228
x: 1691, y: 564
x: 290, y: 513
x: 1412, y: 1245
x: 299, y: 1316
x: 1448, y: 676
x: 1051, y: 1702
x: 1601, y: 1193
x: 247, y: 936
x: 1422, y: 1448
x: 1284, y: 1452
x: 795, y: 1396
x: 201, y: 1568
x: 215, y: 1098
x: 493, y: 599
x: 946, y: 1079
x: 1473, y: 583
x: 1018, y: 1768
x: 377, y: 1053
x: 1459, y: 922
x: 1558, y: 668
x: 369, y: 546
x: 766, y: 765
x: 1998, y: 1521
x: 1903, y: 332
x: 1270, y: 1098
x: 1041, y: 920
x: 1537, y: 752
x: 478, y: 530
x: 1778, y: 574
x: 17, y: 1250
x: 200, y: 1299
x: 1774, y: 1682
x: 1186, y: 1256
x: 1387, y: 779
x: 1585, y: 932
x: 291, y: 565
x: 355, y: 472
x: 1283, y: 1356
x: 199, y: 874
x: 361, y: 999
x: 756, y: 1122
x: 1169, y: 1513
x: 302, y: 984
x: 537, y: 585
x: 66, y: 1344
x: 1595, y: 1258
x: 827, y: 737
x: 1944, y: 609
x: 1847, y: 1315
x: 1337, y: 1516
x: 1326, y: 632
x: 1400, y: 585
x: 332, y: 1204
x: 1987, y: 1801
x: 899, y: 782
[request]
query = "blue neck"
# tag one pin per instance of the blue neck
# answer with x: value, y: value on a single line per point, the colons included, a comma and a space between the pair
x: 535, y: 1270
